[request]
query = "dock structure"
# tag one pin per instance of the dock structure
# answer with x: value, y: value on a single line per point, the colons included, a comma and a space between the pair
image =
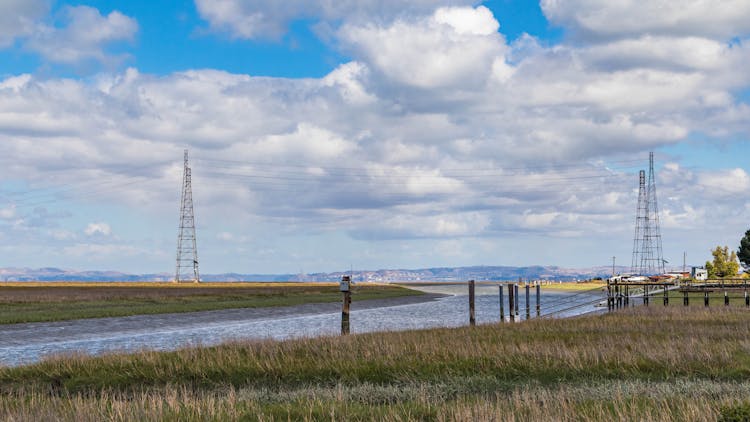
x: 621, y: 293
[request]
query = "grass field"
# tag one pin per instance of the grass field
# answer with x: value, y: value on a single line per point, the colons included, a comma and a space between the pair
x: 575, y: 287
x: 655, y: 363
x: 35, y: 302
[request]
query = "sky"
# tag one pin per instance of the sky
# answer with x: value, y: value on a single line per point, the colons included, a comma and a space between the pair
x: 367, y: 134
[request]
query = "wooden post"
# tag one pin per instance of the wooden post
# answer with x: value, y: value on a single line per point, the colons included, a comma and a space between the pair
x: 528, y: 302
x: 345, y: 288
x: 511, y: 305
x: 502, y: 311
x: 627, y: 296
x: 645, y: 295
x: 726, y: 298
x: 686, y: 299
x: 609, y: 297
x: 538, y: 300
x: 747, y: 299
x: 666, y: 295
x: 705, y: 298
x: 472, y: 318
x: 517, y: 302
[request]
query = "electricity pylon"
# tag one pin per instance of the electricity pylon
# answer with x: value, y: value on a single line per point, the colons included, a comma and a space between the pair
x: 187, y: 250
x: 647, y: 251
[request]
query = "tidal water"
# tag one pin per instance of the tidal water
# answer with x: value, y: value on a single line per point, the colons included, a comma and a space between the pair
x: 28, y: 343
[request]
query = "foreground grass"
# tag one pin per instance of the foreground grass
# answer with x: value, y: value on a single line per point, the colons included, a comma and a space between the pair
x: 65, y: 301
x: 656, y: 363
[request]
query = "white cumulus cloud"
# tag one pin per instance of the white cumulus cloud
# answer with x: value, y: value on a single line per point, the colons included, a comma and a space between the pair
x: 85, y: 34
x: 97, y: 229
x: 627, y: 18
x: 20, y: 18
x: 251, y: 19
x: 454, y: 47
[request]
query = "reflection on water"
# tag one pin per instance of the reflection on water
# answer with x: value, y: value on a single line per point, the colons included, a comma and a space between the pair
x: 451, y: 311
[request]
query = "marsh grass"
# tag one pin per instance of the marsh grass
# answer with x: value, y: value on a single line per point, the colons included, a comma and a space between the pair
x: 39, y: 302
x: 654, y: 363
x: 576, y: 286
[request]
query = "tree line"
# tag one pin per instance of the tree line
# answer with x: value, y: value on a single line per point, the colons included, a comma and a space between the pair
x: 726, y: 263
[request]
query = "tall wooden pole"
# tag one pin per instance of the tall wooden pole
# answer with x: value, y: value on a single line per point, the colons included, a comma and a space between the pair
x: 502, y: 311
x: 511, y: 301
x: 528, y: 302
x: 345, y: 288
x: 472, y: 318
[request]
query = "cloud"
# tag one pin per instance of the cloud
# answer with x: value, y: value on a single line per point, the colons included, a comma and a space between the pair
x: 20, y: 18
x: 436, y: 129
x: 444, y: 226
x: 453, y: 47
x: 98, y: 229
x: 84, y: 35
x: 594, y: 19
x: 8, y: 213
x: 731, y: 182
x: 252, y: 19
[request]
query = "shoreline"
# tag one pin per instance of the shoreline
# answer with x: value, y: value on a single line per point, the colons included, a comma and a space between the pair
x: 38, y: 337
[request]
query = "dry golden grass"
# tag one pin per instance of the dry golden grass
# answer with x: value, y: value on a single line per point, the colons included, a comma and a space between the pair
x: 574, y: 287
x: 657, y: 363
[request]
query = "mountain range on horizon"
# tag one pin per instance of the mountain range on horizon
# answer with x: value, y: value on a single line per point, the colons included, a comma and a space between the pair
x: 444, y: 274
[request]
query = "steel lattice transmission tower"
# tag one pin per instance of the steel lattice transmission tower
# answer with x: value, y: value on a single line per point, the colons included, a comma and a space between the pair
x: 187, y: 251
x: 647, y: 252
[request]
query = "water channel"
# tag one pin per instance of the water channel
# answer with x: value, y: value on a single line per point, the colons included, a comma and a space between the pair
x: 444, y: 306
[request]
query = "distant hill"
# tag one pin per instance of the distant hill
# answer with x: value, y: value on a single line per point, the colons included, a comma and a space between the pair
x: 428, y: 274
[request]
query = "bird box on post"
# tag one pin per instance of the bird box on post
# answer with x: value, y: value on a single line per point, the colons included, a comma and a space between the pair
x: 345, y: 283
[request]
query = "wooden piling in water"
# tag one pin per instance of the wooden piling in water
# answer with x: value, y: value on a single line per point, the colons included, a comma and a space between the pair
x: 627, y: 296
x: 345, y: 288
x: 502, y: 311
x: 472, y: 318
x: 517, y: 302
x: 609, y: 297
x: 511, y: 305
x: 538, y: 300
x: 528, y: 301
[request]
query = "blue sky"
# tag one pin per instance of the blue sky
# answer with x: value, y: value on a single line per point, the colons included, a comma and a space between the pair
x: 396, y: 134
x: 173, y: 37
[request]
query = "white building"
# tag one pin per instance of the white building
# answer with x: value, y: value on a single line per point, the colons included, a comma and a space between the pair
x: 699, y: 273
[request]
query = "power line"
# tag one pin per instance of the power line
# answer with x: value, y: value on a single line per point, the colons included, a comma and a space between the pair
x: 458, y: 169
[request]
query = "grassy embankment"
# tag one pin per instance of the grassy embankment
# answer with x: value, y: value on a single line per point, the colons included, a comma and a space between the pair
x: 651, y: 363
x: 35, y: 302
x: 576, y: 287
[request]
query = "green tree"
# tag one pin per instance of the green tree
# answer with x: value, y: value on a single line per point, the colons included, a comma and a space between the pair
x: 724, y: 264
x: 744, y: 252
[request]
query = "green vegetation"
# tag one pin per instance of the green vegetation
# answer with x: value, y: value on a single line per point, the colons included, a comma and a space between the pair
x: 724, y: 264
x: 49, y: 302
x: 655, y: 363
x: 743, y: 253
